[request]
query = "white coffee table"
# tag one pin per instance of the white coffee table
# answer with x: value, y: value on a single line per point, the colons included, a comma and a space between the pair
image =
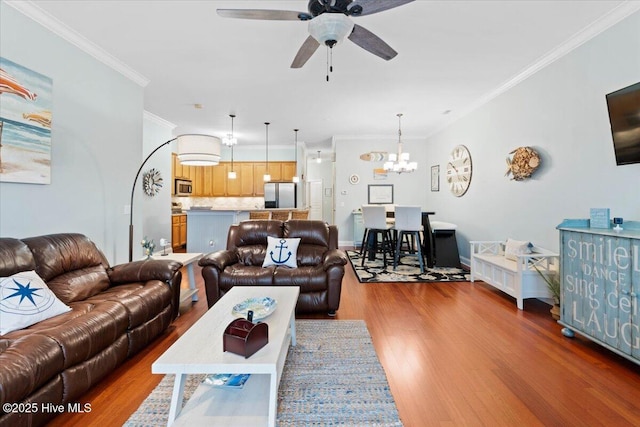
x: 199, y: 351
x: 187, y: 259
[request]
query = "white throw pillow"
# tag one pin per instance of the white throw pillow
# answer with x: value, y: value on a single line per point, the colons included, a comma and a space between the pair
x: 25, y: 300
x: 281, y: 251
x: 513, y: 248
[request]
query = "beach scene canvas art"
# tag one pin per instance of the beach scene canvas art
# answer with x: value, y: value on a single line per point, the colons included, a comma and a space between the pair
x: 25, y: 124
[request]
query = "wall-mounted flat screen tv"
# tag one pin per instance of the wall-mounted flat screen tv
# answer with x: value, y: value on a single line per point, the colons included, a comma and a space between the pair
x: 624, y: 116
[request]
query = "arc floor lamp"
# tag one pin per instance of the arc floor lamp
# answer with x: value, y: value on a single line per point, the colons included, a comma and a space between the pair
x: 194, y: 150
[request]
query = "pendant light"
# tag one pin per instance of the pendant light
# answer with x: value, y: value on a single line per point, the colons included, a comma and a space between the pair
x: 318, y: 159
x: 231, y: 141
x: 399, y: 162
x: 266, y: 176
x: 295, y: 177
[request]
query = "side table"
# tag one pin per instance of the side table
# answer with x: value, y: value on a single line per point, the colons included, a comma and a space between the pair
x: 187, y: 259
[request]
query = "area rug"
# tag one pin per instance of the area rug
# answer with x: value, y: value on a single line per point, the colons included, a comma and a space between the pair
x: 408, y: 270
x: 332, y: 377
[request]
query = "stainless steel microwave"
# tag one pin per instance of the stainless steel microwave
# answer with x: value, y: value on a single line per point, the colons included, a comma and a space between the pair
x: 184, y: 187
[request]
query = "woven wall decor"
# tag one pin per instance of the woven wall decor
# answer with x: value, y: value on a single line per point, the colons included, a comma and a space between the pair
x: 521, y: 164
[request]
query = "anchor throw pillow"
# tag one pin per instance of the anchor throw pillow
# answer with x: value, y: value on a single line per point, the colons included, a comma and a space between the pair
x: 25, y: 300
x: 281, y: 251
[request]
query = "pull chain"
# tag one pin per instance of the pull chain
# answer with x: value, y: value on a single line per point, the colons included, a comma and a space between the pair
x: 327, y: 64
x: 329, y: 61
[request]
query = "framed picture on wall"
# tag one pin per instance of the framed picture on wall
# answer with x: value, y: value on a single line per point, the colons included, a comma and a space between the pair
x: 435, y: 178
x: 380, y: 194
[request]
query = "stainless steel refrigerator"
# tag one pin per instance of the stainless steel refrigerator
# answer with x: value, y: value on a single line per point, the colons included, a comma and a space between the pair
x: 280, y: 195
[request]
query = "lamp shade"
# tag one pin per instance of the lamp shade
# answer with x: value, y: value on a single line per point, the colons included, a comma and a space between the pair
x: 198, y: 150
x: 330, y: 27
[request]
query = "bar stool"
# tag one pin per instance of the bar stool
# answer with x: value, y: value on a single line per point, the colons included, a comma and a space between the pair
x: 259, y: 215
x: 375, y: 223
x: 408, y: 224
x: 280, y: 215
x: 300, y: 214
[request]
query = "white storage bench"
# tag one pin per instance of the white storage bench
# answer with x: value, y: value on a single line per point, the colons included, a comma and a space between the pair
x: 516, y: 278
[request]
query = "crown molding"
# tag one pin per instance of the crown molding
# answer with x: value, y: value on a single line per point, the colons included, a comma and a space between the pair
x: 57, y: 27
x: 158, y: 120
x: 590, y: 31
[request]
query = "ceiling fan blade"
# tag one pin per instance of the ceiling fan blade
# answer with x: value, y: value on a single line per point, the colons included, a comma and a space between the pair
x: 307, y: 49
x: 372, y: 43
x: 271, y: 15
x: 375, y: 6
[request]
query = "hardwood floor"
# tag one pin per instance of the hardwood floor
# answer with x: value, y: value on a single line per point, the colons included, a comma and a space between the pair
x: 454, y: 353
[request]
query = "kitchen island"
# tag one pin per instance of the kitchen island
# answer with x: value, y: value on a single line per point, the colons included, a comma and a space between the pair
x: 207, y: 231
x: 208, y: 227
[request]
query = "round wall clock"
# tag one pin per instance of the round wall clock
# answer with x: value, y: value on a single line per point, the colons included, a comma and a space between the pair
x: 152, y: 182
x: 354, y: 179
x: 459, y: 170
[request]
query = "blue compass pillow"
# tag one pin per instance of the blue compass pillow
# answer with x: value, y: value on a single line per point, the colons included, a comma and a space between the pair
x: 25, y: 300
x: 281, y: 251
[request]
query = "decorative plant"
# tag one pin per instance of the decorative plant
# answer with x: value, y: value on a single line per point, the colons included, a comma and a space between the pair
x: 148, y: 246
x: 552, y: 279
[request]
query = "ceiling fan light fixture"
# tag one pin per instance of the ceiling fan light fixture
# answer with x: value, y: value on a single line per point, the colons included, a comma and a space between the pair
x: 330, y: 27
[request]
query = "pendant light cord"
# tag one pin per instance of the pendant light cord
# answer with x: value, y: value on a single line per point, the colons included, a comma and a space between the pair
x: 267, y: 145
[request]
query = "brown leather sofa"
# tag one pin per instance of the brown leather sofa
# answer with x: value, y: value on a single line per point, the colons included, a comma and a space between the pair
x: 115, y: 312
x: 320, y: 263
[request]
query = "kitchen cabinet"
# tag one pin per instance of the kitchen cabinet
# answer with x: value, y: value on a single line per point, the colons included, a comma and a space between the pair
x: 259, y: 170
x: 178, y: 231
x: 600, y: 285
x: 275, y: 170
x: 288, y: 171
x: 219, y: 188
x: 212, y: 181
x: 242, y: 186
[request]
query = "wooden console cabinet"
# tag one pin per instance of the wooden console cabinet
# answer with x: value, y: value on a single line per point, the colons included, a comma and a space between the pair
x: 178, y: 231
x: 600, y: 285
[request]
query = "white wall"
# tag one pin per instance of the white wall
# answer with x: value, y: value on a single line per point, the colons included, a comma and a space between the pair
x: 409, y: 189
x: 96, y: 142
x: 560, y: 111
x: 154, y: 211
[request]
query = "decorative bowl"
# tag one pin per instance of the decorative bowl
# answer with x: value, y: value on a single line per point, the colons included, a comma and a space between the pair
x: 261, y: 306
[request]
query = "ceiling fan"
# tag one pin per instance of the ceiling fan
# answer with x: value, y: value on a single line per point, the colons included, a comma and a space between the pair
x: 329, y: 23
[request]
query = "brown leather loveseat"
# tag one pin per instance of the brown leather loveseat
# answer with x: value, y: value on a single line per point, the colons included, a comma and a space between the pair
x: 115, y: 312
x: 319, y: 271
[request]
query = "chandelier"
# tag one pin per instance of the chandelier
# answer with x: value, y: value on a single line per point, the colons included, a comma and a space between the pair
x: 230, y: 140
x: 399, y: 162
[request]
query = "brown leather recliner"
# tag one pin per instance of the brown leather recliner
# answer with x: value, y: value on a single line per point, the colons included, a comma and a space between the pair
x: 115, y: 312
x: 320, y: 263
